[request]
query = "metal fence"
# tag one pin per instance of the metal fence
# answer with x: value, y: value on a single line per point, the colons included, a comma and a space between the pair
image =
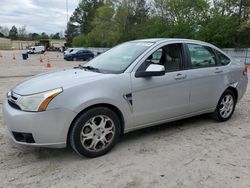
x: 97, y: 51
x: 243, y: 54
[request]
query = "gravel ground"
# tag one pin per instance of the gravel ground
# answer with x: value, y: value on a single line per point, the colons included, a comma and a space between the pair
x: 195, y: 152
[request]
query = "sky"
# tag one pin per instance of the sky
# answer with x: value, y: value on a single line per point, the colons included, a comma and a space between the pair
x: 49, y: 16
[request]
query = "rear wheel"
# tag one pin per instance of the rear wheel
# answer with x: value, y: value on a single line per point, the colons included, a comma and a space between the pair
x: 95, y: 132
x: 225, y: 107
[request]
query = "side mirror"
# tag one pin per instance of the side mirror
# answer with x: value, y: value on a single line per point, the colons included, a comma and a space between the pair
x: 152, y: 70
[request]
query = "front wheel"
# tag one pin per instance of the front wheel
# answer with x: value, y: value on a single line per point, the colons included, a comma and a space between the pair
x: 89, y: 58
x: 225, y: 107
x: 95, y: 132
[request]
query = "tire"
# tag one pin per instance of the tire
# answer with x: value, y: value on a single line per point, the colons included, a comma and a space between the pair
x: 95, y: 132
x: 225, y: 107
x: 88, y: 59
x: 74, y: 59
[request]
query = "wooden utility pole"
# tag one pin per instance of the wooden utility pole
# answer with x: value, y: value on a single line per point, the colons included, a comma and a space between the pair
x: 67, y: 11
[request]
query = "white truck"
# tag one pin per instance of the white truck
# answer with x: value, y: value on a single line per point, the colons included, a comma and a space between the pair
x: 36, y: 50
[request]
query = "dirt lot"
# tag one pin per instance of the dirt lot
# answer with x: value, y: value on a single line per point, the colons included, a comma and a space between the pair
x: 195, y: 152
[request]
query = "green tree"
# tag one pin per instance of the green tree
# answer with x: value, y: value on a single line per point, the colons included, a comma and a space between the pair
x: 81, y: 19
x: 181, y: 18
x: 71, y: 32
x: 34, y: 36
x: 214, y: 33
x: 131, y: 17
x: 22, y: 33
x: 84, y: 14
x: 225, y: 23
x: 105, y: 31
x: 55, y: 36
x: 13, y: 34
x: 80, y: 41
x: 44, y: 36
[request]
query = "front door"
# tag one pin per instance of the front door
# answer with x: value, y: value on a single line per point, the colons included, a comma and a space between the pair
x: 158, y: 98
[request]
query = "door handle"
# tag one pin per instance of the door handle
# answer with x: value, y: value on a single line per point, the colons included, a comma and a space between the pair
x: 180, y: 76
x: 218, y: 71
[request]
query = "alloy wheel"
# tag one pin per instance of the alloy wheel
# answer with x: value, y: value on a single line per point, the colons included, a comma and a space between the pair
x: 226, y: 106
x: 97, y: 133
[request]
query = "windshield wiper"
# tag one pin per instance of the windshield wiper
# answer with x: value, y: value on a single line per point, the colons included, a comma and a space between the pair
x: 90, y: 68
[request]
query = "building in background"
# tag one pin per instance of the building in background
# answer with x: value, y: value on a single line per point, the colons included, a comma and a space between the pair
x: 8, y: 44
x: 5, y: 44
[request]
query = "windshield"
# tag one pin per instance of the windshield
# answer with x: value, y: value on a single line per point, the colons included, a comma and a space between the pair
x: 118, y: 59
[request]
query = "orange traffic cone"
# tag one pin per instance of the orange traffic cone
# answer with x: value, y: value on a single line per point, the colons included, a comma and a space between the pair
x: 49, y: 64
x: 1, y: 55
x: 14, y: 56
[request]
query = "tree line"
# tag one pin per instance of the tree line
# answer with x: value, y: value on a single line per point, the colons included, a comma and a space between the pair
x: 21, y: 34
x: 105, y: 23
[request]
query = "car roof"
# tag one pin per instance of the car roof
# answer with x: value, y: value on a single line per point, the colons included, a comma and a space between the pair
x: 179, y: 40
x: 160, y: 40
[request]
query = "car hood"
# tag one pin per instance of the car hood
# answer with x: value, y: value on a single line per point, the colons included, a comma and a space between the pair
x: 52, y: 80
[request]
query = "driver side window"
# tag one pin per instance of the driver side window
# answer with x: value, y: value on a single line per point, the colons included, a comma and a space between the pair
x: 170, y: 56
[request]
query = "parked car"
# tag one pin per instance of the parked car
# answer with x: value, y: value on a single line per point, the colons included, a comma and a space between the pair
x: 79, y: 55
x: 70, y: 50
x: 36, y: 50
x: 134, y: 85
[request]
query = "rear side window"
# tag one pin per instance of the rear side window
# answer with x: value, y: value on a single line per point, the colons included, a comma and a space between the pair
x: 201, y: 56
x: 222, y: 59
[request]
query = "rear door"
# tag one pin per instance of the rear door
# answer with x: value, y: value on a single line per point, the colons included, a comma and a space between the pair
x: 206, y: 78
x: 88, y: 55
x: 159, y: 98
x: 80, y: 54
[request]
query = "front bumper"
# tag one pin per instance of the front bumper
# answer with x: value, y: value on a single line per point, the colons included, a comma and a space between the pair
x: 48, y: 128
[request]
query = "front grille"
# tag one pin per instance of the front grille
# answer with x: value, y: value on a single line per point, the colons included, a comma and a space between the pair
x: 23, y: 137
x: 13, y: 105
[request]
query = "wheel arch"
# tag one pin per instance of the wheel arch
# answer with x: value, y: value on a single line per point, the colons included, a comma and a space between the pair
x: 107, y: 105
x: 235, y: 92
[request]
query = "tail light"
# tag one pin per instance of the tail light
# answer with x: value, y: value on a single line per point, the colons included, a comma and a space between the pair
x: 245, y: 70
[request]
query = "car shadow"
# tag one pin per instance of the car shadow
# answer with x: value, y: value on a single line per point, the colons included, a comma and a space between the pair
x: 171, y: 128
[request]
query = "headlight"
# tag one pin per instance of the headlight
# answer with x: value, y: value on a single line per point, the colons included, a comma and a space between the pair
x: 8, y: 94
x: 37, y: 102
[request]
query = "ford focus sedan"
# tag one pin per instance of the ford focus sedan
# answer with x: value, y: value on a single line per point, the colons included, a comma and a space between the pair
x: 133, y: 85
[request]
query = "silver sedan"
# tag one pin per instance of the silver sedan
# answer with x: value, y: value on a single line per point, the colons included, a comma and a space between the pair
x: 133, y: 85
